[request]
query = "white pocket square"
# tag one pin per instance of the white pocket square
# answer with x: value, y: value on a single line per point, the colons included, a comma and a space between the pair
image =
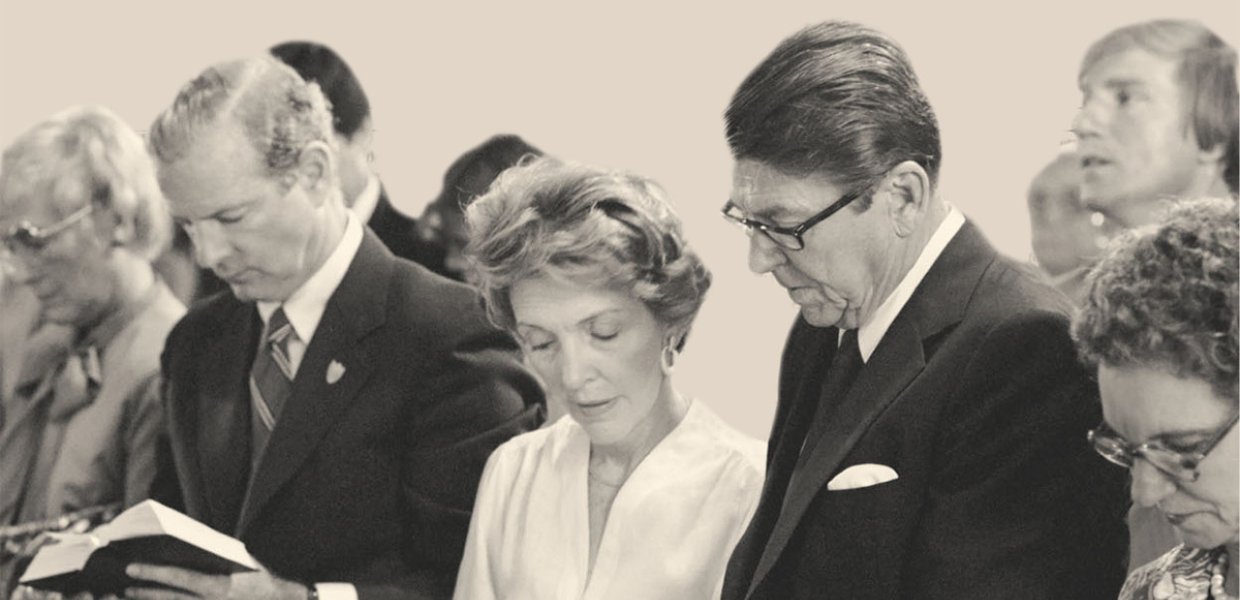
x: 859, y: 476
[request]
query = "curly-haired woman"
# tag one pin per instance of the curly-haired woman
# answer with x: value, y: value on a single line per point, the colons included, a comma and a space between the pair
x: 1161, y: 324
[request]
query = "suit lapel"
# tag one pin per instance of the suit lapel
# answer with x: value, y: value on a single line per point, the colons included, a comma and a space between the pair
x: 221, y: 416
x: 940, y: 301
x: 896, y: 361
x: 356, y: 308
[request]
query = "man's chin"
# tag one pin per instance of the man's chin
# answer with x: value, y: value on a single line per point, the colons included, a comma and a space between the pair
x: 820, y: 317
x: 246, y: 292
x: 1099, y: 197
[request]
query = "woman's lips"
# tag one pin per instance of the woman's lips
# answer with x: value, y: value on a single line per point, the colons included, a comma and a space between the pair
x: 594, y: 408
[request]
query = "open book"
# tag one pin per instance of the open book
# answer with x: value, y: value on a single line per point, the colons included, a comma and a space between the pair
x: 148, y: 532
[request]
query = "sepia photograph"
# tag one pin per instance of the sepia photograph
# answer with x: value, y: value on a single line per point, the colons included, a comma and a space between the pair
x: 798, y: 300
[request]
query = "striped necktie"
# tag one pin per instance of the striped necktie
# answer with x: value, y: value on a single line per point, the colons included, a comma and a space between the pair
x: 272, y: 376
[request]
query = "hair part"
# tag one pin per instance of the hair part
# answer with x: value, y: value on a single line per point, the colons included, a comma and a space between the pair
x: 279, y: 112
x: 1206, y: 70
x: 837, y: 100
x: 549, y: 218
x: 88, y: 154
x: 1165, y: 296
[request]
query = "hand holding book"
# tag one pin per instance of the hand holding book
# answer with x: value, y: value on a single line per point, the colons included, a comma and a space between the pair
x: 148, y: 533
x: 166, y: 583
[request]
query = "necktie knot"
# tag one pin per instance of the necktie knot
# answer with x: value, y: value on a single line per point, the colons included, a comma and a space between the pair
x: 849, y: 351
x: 272, y: 373
x: 278, y: 328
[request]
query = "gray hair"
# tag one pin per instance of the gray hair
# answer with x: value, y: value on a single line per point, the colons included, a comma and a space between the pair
x: 87, y: 154
x: 280, y: 112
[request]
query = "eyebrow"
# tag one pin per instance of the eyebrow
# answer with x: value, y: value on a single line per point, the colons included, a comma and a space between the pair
x: 767, y: 214
x: 1126, y: 82
x: 1165, y: 435
x: 184, y: 219
x: 1116, y: 82
x: 587, y: 319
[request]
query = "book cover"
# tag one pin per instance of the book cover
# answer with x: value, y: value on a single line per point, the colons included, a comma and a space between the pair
x: 148, y: 532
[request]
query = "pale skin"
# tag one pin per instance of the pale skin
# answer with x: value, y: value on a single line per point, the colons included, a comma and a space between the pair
x: 598, y: 350
x: 853, y: 260
x: 82, y: 275
x: 1136, y: 147
x: 1142, y: 403
x: 265, y: 236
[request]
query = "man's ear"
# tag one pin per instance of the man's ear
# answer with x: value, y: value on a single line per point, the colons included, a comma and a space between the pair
x: 908, y: 191
x: 316, y: 169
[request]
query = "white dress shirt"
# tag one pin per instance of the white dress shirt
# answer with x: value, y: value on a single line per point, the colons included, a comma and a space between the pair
x: 304, y: 309
x: 364, y: 204
x: 872, y: 332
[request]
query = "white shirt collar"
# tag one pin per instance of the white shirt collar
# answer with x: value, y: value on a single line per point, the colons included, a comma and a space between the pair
x: 872, y: 332
x: 365, y: 202
x: 304, y: 308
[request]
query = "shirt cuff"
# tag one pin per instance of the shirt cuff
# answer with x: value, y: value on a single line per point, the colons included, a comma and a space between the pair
x: 336, y: 591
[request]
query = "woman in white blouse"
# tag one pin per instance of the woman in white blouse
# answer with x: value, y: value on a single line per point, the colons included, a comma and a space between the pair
x: 637, y: 492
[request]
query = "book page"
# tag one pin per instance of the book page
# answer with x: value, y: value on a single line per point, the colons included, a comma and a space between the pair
x: 67, y: 555
x: 150, y: 518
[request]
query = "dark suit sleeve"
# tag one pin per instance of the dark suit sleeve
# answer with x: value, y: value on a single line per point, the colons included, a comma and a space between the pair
x: 165, y: 486
x: 1021, y: 504
x: 481, y: 398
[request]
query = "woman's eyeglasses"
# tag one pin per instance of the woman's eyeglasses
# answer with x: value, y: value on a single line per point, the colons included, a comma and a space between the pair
x: 1180, y: 465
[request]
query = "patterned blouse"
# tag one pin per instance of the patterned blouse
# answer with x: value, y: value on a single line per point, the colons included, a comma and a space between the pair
x: 1181, y: 574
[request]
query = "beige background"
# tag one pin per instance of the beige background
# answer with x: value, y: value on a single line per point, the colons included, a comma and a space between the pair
x: 639, y: 86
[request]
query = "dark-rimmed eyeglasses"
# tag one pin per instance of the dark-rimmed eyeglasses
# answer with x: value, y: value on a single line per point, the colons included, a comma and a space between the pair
x: 1180, y: 465
x: 30, y: 238
x: 791, y: 238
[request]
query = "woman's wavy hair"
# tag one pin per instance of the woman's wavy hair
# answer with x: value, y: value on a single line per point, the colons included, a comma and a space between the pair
x: 589, y: 225
x: 1165, y: 296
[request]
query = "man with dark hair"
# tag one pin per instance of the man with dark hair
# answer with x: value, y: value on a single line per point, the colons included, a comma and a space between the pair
x: 930, y: 436
x: 442, y: 224
x: 334, y: 412
x: 1158, y: 121
x: 354, y: 138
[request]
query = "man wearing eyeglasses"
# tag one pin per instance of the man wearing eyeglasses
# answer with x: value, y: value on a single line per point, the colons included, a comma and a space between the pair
x: 930, y: 438
x: 81, y: 218
x: 333, y: 412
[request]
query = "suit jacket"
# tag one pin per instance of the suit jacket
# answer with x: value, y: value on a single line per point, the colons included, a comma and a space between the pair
x: 399, y: 233
x: 975, y: 397
x: 104, y: 443
x: 368, y: 479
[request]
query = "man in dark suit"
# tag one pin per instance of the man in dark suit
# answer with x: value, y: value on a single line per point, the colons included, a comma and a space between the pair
x: 353, y: 128
x: 930, y: 435
x: 333, y: 412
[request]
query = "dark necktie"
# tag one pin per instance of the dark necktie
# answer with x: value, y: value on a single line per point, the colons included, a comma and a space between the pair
x: 845, y: 366
x: 272, y: 376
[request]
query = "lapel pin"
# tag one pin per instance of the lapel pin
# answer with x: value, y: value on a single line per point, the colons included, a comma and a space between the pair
x: 335, y: 371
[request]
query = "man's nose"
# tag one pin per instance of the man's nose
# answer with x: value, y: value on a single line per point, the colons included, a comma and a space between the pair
x: 1089, y: 119
x: 1149, y: 485
x: 764, y: 254
x: 210, y: 243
